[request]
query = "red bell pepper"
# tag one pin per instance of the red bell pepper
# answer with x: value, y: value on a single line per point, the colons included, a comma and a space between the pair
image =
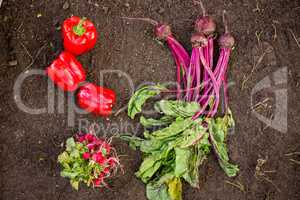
x: 79, y: 35
x: 66, y: 71
x: 96, y: 99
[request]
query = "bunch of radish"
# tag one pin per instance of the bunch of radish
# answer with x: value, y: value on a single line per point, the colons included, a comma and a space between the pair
x: 88, y: 159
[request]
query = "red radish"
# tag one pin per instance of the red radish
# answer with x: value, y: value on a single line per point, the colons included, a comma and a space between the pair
x: 106, y: 170
x: 86, y: 155
x: 112, y: 162
x: 181, y: 57
x: 90, y: 137
x: 99, y: 181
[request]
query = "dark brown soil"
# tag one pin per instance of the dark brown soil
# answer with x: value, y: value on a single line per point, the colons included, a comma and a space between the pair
x: 29, y: 144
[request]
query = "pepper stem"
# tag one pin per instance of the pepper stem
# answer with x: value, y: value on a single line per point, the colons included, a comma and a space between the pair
x: 79, y: 29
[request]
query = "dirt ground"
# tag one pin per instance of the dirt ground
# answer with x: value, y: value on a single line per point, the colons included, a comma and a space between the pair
x: 267, y: 34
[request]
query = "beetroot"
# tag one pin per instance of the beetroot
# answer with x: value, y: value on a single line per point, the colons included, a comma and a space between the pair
x: 226, y: 43
x: 180, y: 56
x: 174, y: 144
x: 205, y: 24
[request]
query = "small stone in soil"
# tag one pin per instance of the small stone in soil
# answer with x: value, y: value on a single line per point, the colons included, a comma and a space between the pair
x: 161, y: 10
x: 13, y: 63
x: 105, y: 9
x: 66, y: 5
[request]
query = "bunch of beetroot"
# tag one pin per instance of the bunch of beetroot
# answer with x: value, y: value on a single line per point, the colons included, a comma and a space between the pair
x: 178, y: 141
x: 88, y: 159
x: 198, y: 79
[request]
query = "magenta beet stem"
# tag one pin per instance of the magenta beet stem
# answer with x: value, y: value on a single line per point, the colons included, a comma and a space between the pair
x: 181, y: 59
x: 190, y: 75
x: 213, y: 79
x: 180, y: 63
x: 222, y: 74
x: 208, y: 53
x: 225, y: 93
x: 210, y: 73
x: 206, y: 56
x: 183, y: 90
x: 198, y: 75
x: 180, y: 50
x: 211, y: 52
x: 216, y: 73
x: 201, y: 111
x: 224, y: 80
x: 178, y: 74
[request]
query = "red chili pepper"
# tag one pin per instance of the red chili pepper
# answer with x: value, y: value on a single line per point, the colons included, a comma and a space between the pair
x: 66, y: 71
x: 79, y: 35
x: 96, y: 99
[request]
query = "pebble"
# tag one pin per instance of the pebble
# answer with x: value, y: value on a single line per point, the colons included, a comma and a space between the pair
x: 127, y: 5
x: 13, y: 63
x: 105, y: 9
x: 161, y: 10
x: 66, y: 5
